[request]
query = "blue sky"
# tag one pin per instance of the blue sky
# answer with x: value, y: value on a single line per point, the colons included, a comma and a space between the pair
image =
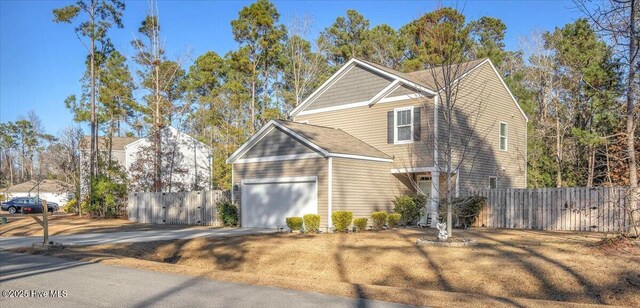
x: 41, y: 62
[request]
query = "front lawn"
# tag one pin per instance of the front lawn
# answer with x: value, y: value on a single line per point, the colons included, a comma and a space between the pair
x: 505, y: 268
x: 63, y: 224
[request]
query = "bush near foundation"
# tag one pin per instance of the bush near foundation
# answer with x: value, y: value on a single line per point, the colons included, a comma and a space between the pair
x: 393, y: 220
x: 341, y: 220
x: 294, y: 223
x: 379, y: 220
x: 311, y: 223
x: 228, y: 213
x: 360, y: 224
x: 410, y: 207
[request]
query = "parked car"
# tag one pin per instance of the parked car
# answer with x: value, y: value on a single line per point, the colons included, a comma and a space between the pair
x: 27, y: 205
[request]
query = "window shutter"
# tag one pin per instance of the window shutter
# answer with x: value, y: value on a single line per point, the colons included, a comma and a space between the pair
x: 416, y: 124
x: 390, y: 127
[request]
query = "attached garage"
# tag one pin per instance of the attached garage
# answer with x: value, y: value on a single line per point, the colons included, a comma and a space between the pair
x: 267, y: 202
x: 285, y: 170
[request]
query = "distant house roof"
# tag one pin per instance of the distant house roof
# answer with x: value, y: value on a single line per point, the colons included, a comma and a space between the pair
x: 118, y: 142
x: 52, y: 186
x: 330, y: 142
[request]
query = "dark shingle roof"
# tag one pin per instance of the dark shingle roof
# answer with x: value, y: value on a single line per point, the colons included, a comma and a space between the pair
x: 334, y: 140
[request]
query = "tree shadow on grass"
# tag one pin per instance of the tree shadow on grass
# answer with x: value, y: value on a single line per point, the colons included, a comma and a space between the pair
x: 591, y: 290
x: 342, y: 271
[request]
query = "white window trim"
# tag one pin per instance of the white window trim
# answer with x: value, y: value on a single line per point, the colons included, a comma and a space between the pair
x: 506, y: 137
x: 493, y: 177
x: 395, y: 125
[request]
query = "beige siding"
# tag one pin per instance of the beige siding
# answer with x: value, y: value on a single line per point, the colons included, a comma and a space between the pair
x: 276, y: 143
x: 357, y: 85
x: 290, y: 168
x: 370, y: 126
x: 481, y: 104
x: 364, y: 187
x: 404, y: 90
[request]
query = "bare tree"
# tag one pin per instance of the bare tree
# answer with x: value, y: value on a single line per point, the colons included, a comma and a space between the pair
x: 304, y: 67
x: 542, y: 79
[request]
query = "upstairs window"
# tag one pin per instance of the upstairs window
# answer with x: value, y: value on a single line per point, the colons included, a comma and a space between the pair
x: 493, y: 182
x: 504, y: 133
x: 403, y: 125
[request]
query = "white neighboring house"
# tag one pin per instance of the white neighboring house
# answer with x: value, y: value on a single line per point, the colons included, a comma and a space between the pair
x: 51, y: 190
x: 194, y: 156
x: 191, y: 155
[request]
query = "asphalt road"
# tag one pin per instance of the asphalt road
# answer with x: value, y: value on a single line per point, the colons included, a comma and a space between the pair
x: 98, y: 285
x: 128, y: 237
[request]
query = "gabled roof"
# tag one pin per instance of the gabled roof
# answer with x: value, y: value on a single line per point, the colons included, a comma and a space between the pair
x: 327, y: 141
x: 118, y: 142
x: 171, y: 129
x: 398, y: 77
x: 427, y: 81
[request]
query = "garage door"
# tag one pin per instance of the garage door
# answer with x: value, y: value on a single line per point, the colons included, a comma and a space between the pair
x: 267, y: 202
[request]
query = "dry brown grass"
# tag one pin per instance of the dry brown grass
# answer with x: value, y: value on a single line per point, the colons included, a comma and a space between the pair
x: 507, y: 267
x: 60, y: 224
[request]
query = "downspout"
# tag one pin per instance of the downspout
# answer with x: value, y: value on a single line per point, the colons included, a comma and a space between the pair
x: 233, y: 199
x: 435, y: 130
x: 330, y: 193
x: 435, y: 178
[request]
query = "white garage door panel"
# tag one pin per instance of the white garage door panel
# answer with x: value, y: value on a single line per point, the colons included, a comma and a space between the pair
x: 268, y: 204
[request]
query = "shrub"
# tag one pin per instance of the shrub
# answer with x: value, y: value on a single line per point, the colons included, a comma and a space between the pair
x: 393, y: 219
x: 109, y: 198
x: 311, y: 222
x: 71, y: 206
x: 410, y: 207
x: 360, y: 223
x: 464, y: 209
x: 379, y: 220
x: 341, y: 220
x: 228, y: 213
x: 294, y: 223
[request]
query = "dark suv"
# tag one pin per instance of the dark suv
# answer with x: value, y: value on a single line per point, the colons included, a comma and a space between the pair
x: 27, y: 205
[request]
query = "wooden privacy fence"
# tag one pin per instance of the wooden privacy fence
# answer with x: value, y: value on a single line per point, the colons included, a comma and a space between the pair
x: 600, y: 209
x: 179, y: 208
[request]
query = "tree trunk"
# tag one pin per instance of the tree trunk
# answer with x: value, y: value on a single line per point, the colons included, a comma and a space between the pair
x: 591, y: 167
x: 158, y: 142
x: 631, y: 152
x: 111, y: 127
x: 558, y: 151
x: 253, y: 99
x: 93, y: 142
x: 10, y: 171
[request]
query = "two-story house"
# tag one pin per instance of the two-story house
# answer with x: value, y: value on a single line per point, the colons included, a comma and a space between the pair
x: 370, y: 133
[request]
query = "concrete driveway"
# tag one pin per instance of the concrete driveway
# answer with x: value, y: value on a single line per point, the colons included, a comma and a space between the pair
x: 97, y: 285
x: 128, y: 237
